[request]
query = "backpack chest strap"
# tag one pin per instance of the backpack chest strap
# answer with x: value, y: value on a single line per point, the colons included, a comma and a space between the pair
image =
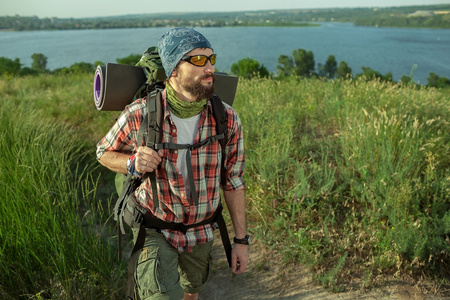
x: 189, y: 148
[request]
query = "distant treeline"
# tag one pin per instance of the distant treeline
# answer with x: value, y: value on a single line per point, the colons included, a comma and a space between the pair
x: 427, y: 16
x: 301, y: 64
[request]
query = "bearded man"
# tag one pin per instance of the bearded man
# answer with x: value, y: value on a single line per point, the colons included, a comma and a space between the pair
x: 174, y: 264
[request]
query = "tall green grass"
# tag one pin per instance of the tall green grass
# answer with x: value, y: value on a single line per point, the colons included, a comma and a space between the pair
x: 349, y: 177
x: 54, y: 242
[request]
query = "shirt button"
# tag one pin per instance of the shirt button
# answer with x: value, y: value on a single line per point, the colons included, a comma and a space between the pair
x: 182, y: 195
x: 176, y: 151
x: 174, y: 130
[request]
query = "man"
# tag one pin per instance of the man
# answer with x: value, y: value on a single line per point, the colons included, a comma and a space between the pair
x: 173, y: 265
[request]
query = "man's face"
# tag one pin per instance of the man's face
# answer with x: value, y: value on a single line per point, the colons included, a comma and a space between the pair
x: 198, y: 81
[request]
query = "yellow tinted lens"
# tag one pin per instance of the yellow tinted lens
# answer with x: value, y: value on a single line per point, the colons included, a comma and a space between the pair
x: 212, y: 59
x: 199, y: 60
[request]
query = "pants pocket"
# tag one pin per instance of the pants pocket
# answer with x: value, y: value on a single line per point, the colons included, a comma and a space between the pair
x: 148, y: 273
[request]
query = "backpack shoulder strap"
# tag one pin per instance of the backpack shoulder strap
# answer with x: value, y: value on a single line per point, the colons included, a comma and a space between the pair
x: 154, y: 108
x: 154, y: 119
x: 220, y: 115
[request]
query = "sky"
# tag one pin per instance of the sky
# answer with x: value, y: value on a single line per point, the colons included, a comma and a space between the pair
x: 100, y: 8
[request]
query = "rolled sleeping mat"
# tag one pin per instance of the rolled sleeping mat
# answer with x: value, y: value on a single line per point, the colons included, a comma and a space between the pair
x: 115, y: 86
x: 225, y: 87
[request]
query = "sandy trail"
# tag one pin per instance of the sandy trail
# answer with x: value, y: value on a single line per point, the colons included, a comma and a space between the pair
x: 268, y: 278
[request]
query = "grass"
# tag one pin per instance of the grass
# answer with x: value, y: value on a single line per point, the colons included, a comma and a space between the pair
x: 354, y: 169
x: 53, y: 223
x: 348, y: 177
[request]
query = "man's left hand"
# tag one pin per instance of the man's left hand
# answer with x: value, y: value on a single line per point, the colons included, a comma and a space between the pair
x: 239, y: 258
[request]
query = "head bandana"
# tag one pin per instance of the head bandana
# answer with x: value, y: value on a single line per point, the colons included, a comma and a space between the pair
x: 176, y: 43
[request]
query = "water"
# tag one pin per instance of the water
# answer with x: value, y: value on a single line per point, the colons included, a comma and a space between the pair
x: 385, y: 50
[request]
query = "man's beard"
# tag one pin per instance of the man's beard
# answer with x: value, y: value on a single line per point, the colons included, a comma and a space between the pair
x: 196, y: 88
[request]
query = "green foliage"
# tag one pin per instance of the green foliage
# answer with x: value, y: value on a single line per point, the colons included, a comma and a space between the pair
x: 383, y: 16
x: 77, y: 68
x: 9, y: 66
x: 57, y: 196
x: 301, y: 64
x: 304, y: 62
x: 329, y: 69
x: 405, y: 79
x: 438, y: 82
x: 370, y: 74
x: 39, y: 62
x: 82, y: 67
x: 285, y: 66
x: 52, y: 229
x: 249, y: 68
x: 416, y: 19
x: 343, y: 71
x: 131, y: 60
x: 349, y: 169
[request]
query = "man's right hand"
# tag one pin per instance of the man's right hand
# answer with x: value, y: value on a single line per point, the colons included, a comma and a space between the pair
x: 147, y: 159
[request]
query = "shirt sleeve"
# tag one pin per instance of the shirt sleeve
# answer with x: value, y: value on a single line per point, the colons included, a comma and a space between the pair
x: 235, y: 155
x: 122, y: 135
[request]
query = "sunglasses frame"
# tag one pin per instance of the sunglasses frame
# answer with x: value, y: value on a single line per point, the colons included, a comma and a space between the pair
x: 208, y: 58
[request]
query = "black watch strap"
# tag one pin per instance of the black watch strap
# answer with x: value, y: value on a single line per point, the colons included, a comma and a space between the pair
x: 244, y: 241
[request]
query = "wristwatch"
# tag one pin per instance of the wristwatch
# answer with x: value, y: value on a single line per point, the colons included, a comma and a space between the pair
x: 244, y: 241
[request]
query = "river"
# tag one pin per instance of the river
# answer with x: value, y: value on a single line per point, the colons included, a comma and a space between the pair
x: 394, y: 50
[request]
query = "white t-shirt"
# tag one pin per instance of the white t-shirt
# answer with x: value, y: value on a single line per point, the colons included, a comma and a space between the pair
x: 186, y: 131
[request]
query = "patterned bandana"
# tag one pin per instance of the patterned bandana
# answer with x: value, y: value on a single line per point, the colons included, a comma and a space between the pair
x: 176, y: 43
x: 183, y: 109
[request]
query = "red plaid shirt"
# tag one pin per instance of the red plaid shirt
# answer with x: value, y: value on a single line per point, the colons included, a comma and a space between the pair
x: 174, y: 206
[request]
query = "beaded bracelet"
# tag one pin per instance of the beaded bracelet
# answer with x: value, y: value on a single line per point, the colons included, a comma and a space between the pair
x: 131, y: 168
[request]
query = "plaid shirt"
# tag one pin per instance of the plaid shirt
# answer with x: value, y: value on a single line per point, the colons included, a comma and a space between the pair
x: 174, y: 206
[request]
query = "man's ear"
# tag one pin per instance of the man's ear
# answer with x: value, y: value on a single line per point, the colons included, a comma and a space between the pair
x: 174, y: 73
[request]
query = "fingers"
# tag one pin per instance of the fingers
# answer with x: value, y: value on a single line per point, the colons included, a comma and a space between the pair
x: 239, y: 259
x: 147, y: 159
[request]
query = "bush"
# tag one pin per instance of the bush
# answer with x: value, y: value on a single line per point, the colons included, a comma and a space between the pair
x: 9, y: 66
x: 131, y: 60
x: 249, y: 68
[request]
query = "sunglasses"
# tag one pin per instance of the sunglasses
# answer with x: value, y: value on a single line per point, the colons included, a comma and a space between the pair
x: 200, y: 60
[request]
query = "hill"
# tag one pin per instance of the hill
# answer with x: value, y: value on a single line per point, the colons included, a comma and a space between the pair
x: 428, y: 16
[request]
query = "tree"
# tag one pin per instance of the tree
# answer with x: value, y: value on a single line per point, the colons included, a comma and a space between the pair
x: 304, y: 62
x: 406, y: 79
x: 9, y: 66
x: 285, y: 66
x: 39, y: 62
x: 330, y: 67
x: 301, y: 63
x: 248, y: 68
x: 433, y: 79
x: 443, y: 82
x: 438, y: 82
x: 343, y: 70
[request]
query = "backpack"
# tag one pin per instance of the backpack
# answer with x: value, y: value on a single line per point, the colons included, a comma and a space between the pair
x: 127, y: 209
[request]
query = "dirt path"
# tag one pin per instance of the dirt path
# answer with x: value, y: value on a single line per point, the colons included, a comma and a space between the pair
x: 268, y: 279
